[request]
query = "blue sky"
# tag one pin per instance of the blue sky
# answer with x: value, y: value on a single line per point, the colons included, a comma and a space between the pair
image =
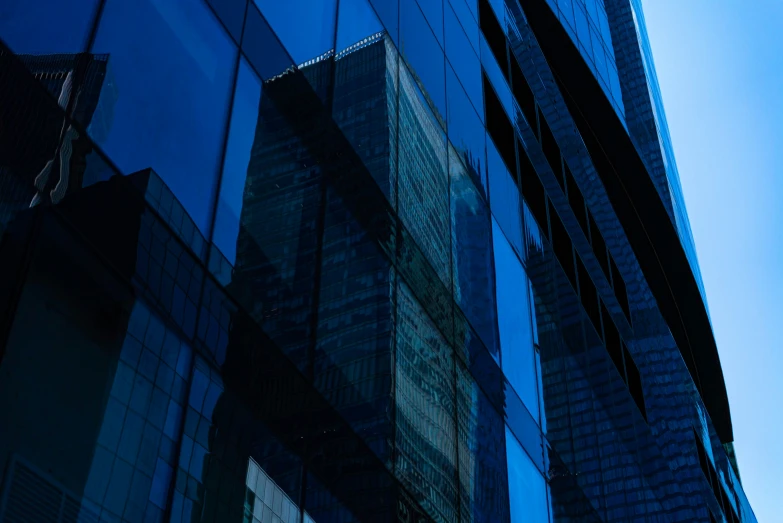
x: 720, y: 68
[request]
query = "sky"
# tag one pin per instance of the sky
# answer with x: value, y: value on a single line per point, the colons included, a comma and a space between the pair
x: 720, y: 69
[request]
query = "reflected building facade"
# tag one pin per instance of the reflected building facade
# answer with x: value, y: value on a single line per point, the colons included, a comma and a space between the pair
x: 366, y: 260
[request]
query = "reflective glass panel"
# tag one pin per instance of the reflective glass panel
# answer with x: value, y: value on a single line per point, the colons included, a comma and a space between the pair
x: 526, y: 486
x: 46, y: 27
x: 466, y: 19
x: 423, y: 178
x: 496, y: 77
x: 504, y: 197
x: 305, y: 27
x: 472, y: 253
x: 516, y: 338
x: 433, y: 12
x: 168, y: 110
x: 466, y: 132
x: 244, y: 119
x: 425, y: 56
x: 464, y: 60
x: 357, y: 20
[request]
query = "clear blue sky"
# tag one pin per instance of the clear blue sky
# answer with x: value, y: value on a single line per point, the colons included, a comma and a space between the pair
x: 720, y: 67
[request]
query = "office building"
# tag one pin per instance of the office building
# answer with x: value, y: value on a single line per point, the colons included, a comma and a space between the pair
x: 366, y: 260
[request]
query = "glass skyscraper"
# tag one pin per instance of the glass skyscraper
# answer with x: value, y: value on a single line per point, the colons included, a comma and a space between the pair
x: 349, y: 260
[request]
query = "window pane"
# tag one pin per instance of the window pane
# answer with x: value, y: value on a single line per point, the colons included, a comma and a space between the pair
x: 467, y: 20
x: 466, y: 132
x: 46, y: 26
x: 425, y: 416
x: 504, y: 197
x: 364, y: 95
x: 244, y: 119
x: 482, y: 455
x: 472, y: 255
x: 495, y: 72
x: 425, y: 56
x: 526, y: 486
x: 516, y: 339
x: 465, y: 61
x: 357, y: 20
x: 306, y: 27
x: 170, y: 98
x: 423, y: 179
x: 433, y: 12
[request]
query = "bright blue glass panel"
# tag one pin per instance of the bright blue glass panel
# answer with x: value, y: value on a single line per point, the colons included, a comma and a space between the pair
x: 357, y: 20
x: 504, y: 198
x: 516, y: 337
x: 305, y: 27
x: 526, y: 486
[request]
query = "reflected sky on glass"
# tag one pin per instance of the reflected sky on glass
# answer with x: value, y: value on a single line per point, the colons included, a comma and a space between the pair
x: 516, y: 337
x: 171, y: 98
x: 356, y: 20
x: 46, y: 26
x: 421, y: 49
x: 241, y: 136
x: 306, y: 28
x: 526, y: 486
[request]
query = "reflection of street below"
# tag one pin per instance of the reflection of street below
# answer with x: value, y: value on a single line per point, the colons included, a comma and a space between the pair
x: 65, y: 148
x: 54, y: 161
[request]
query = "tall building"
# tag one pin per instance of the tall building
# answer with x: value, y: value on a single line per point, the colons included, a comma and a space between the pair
x: 366, y: 260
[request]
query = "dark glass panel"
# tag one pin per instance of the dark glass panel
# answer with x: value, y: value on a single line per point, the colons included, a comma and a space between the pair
x: 471, y: 248
x: 426, y: 432
x: 523, y: 94
x: 423, y: 196
x: 44, y: 27
x: 551, y: 149
x: 561, y: 243
x: 599, y: 246
x: 494, y: 34
x: 613, y: 343
x: 169, y: 101
x: 577, y: 200
x: 533, y: 190
x: 499, y: 126
x: 634, y: 382
x: 352, y: 360
x: 588, y: 294
x: 619, y: 289
x: 364, y: 103
x: 482, y: 456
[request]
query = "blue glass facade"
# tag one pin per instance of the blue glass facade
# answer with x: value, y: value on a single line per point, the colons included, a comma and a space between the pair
x: 354, y: 260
